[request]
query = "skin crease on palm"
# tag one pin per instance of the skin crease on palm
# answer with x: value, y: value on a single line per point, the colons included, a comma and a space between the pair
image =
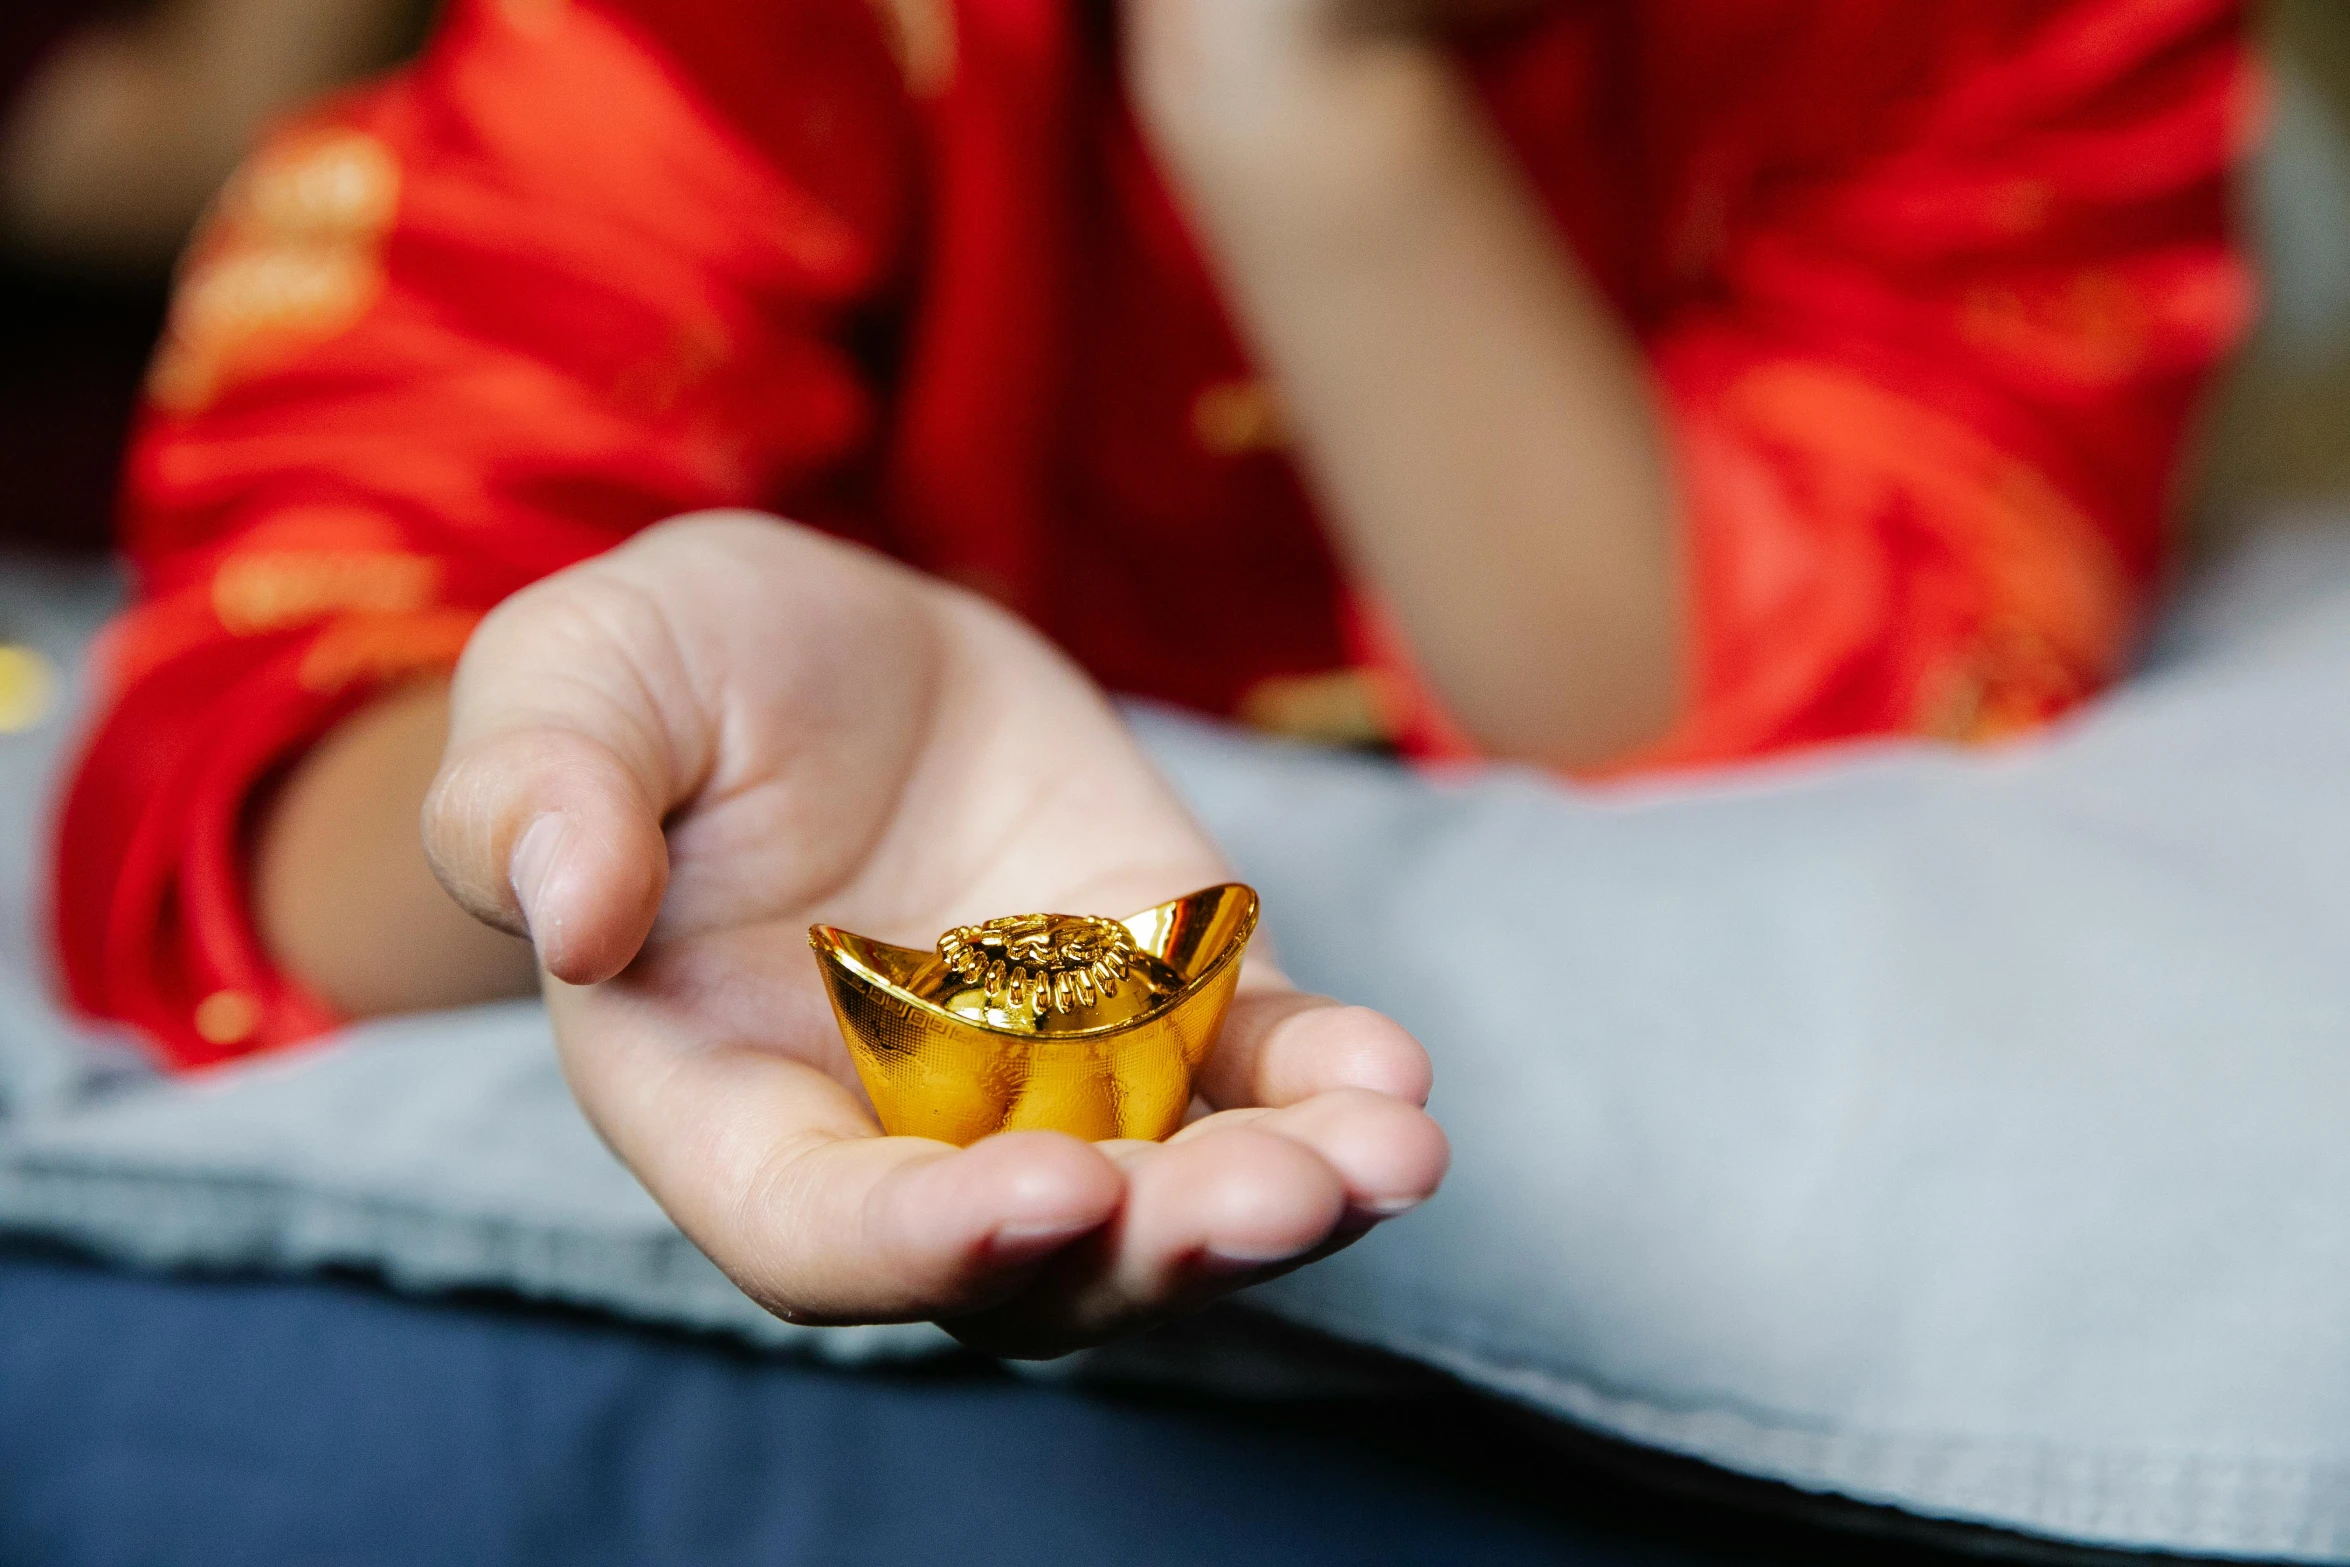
x: 828, y: 736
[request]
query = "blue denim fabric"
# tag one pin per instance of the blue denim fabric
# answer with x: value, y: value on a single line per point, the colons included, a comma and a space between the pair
x: 194, y: 1423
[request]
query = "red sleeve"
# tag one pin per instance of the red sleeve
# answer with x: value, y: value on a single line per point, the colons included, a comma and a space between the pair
x: 448, y: 335
x: 1929, y: 412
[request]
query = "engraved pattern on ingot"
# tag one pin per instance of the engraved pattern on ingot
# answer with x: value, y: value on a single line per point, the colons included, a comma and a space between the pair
x: 941, y: 1057
x: 1040, y: 960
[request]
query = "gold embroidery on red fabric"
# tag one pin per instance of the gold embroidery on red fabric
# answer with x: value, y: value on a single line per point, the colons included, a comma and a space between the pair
x: 697, y: 351
x: 534, y: 18
x: 1238, y: 419
x: 289, y: 258
x: 2055, y: 609
x: 922, y: 35
x: 227, y: 1017
x: 2023, y: 207
x: 1337, y: 707
x: 330, y: 184
x: 2010, y: 683
x: 384, y: 647
x: 272, y: 589
x: 2092, y: 327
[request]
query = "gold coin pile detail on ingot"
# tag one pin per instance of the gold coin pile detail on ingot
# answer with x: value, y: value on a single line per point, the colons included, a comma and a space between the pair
x: 1040, y: 961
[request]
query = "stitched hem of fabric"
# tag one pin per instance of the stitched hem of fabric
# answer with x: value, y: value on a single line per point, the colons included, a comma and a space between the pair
x: 2196, y: 1504
x: 171, y: 1219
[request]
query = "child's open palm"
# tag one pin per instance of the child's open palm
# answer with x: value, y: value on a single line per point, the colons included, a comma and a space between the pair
x: 669, y: 761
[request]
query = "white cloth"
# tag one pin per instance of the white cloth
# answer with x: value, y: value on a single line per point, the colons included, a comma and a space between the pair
x: 1960, y: 1132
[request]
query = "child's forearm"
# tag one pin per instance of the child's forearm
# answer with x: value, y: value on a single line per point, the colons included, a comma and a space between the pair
x: 1477, y: 420
x: 344, y: 897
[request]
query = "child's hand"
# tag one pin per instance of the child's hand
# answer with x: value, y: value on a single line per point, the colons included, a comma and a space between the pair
x: 667, y: 762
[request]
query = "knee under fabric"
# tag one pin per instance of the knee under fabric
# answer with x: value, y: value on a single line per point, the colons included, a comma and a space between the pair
x: 1953, y: 1131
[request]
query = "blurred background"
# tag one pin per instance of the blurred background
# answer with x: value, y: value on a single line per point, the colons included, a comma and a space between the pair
x: 2280, y: 436
x: 119, y: 118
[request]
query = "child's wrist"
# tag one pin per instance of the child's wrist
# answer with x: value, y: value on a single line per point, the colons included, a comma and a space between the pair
x: 1320, y: 149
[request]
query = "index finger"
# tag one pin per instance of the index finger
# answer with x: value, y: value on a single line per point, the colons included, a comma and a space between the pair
x: 776, y: 1171
x: 1281, y: 1046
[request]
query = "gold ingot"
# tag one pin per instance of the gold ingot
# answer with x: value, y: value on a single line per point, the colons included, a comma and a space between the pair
x: 1068, y: 1022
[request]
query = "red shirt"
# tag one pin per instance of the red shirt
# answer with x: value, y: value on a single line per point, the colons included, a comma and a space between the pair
x: 1929, y: 287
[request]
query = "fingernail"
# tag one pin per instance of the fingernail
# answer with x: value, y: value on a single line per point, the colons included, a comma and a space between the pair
x: 1019, y: 1240
x: 534, y: 861
x: 1388, y: 1207
x: 1226, y: 1259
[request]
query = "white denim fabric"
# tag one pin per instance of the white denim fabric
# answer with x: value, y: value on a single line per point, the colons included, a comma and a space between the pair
x: 1961, y: 1132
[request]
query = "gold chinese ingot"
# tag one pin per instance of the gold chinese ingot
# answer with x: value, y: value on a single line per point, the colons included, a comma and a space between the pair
x: 1068, y: 1022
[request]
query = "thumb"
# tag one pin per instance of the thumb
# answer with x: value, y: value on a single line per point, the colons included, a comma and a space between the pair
x: 544, y: 832
x: 545, y: 819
